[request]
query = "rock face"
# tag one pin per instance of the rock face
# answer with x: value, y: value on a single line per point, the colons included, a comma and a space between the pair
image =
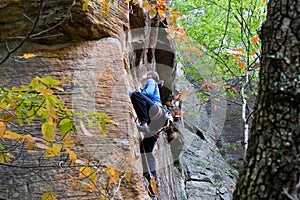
x: 104, y: 57
x: 52, y: 22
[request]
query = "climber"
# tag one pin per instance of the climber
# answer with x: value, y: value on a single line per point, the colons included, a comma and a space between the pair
x: 147, y: 104
x: 151, y: 115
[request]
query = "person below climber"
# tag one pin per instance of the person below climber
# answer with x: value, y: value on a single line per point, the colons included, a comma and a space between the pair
x: 152, y: 117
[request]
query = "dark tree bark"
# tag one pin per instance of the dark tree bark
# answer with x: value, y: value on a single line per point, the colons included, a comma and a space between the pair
x: 272, y: 165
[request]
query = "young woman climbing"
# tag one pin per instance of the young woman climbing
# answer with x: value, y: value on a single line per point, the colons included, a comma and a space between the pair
x: 152, y: 117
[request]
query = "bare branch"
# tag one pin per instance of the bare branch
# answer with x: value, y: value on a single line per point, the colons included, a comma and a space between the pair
x: 27, y: 36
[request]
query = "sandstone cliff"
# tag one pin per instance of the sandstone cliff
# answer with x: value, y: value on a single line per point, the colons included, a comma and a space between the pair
x: 104, y: 56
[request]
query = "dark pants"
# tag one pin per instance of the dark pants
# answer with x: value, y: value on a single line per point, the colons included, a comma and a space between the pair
x: 148, y: 111
x: 141, y: 105
x: 148, y: 160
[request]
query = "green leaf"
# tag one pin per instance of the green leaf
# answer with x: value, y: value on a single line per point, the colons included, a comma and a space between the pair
x: 66, y: 125
x: 49, y: 81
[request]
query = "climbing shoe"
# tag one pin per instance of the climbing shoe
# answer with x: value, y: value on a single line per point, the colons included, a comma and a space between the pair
x: 154, y: 197
x: 144, y: 129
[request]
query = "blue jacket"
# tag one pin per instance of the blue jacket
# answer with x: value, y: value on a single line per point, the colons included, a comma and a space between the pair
x: 151, y: 90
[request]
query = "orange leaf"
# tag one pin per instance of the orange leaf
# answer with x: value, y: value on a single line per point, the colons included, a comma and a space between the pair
x: 236, y: 56
x: 162, y: 14
x: 188, y: 51
x: 131, y: 159
x: 255, y: 40
x: 198, y: 52
x: 153, y: 185
x: 241, y: 64
x: 183, y: 95
x: 172, y: 19
x: 181, y: 114
x: 218, y: 83
x: 253, y: 53
x: 234, y: 89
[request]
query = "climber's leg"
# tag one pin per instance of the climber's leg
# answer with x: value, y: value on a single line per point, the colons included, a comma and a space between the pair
x: 148, y: 160
x: 141, y: 105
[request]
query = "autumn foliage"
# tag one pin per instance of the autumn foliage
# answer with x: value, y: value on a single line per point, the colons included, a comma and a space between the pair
x: 38, y: 101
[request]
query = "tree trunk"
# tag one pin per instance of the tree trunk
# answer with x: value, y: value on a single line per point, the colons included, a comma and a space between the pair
x: 272, y: 165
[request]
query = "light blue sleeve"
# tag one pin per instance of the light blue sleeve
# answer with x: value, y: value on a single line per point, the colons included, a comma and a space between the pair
x: 149, y: 88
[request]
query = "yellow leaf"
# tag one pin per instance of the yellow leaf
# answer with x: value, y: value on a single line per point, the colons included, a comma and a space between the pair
x: 127, y: 1
x: 68, y: 142
x: 145, y: 4
x: 27, y: 55
x: 10, y: 155
x: 74, y: 182
x: 84, y: 7
x: 107, y: 9
x: 49, y: 196
x: 172, y: 19
x: 88, y: 172
x: 72, y: 156
x: 88, y: 187
x: 48, y: 132
x: 162, y: 14
x: 44, y: 91
x: 28, y: 138
x: 85, y: 171
x: 12, y: 135
x: 53, y: 151
x: 2, y: 160
x: 113, y: 172
x: 103, y: 197
x: 128, y: 174
x: 3, y: 105
x: 152, y: 13
x: 2, y: 129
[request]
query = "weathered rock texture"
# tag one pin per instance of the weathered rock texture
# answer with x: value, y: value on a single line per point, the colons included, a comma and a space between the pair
x: 103, y: 56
